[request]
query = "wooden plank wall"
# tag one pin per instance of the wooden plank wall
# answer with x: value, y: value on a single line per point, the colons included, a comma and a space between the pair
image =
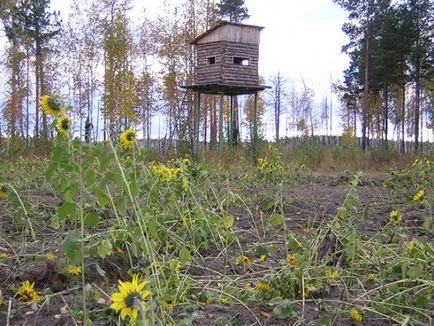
x: 224, y: 71
x: 234, y: 74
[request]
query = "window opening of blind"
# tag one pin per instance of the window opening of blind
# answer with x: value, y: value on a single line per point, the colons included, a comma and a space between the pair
x: 243, y: 61
x: 211, y: 60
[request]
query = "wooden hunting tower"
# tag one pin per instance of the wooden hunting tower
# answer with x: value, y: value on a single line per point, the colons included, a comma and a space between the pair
x: 227, y: 64
x: 227, y: 59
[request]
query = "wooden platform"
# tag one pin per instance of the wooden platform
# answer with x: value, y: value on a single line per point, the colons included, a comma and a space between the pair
x: 218, y: 89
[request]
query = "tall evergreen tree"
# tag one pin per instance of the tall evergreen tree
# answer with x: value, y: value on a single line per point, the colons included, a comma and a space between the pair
x: 359, y: 29
x: 32, y: 21
x: 232, y: 10
x: 421, y: 60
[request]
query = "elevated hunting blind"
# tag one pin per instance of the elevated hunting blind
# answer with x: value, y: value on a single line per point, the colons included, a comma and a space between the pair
x: 227, y: 64
x: 227, y: 59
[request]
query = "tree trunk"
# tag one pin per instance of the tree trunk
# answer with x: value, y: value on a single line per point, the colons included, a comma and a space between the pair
x: 27, y: 94
x: 386, y: 114
x: 403, y: 120
x: 417, y: 106
x: 365, y: 91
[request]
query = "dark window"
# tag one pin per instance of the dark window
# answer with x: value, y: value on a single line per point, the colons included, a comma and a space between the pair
x: 211, y: 60
x: 243, y: 61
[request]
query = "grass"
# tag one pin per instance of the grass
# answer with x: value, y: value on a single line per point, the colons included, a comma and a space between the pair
x: 301, y: 238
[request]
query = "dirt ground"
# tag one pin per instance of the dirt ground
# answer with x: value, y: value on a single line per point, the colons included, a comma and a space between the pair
x: 308, y: 205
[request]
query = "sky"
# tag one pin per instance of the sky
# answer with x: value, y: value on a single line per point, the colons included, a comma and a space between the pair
x: 302, y: 39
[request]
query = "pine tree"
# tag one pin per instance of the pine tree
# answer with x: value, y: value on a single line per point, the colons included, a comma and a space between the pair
x: 233, y: 10
x: 32, y: 21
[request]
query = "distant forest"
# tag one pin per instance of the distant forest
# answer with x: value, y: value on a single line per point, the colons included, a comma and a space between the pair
x: 114, y: 73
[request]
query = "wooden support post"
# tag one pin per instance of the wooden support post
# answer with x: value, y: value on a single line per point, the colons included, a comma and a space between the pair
x: 196, y: 127
x: 231, y: 123
x: 255, y: 130
x: 221, y: 141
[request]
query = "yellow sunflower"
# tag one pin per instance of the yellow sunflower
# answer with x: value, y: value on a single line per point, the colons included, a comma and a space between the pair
x: 356, y: 315
x: 64, y: 125
x: 129, y: 300
x: 27, y: 292
x: 127, y: 139
x: 263, y: 286
x: 419, y: 196
x: 51, y: 105
x: 74, y: 270
x: 3, y: 190
x: 292, y: 260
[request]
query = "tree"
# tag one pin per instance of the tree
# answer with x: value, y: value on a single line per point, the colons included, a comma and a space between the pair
x: 83, y: 40
x: 233, y: 10
x: 16, y: 90
x: 359, y: 29
x: 421, y: 60
x: 277, y: 99
x: 32, y: 21
x: 119, y: 97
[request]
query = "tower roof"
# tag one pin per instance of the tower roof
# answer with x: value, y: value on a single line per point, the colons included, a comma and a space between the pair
x: 221, y: 25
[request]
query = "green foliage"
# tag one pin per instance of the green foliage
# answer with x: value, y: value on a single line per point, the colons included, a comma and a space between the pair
x: 233, y: 10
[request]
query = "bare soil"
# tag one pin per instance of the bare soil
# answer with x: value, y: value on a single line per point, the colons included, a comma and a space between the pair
x: 306, y: 206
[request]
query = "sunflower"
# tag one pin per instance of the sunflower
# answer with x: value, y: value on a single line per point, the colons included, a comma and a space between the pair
x: 263, y: 286
x: 292, y: 260
x: 356, y: 315
x: 27, y: 292
x: 419, y: 196
x: 51, y: 105
x: 127, y: 139
x: 3, y: 190
x: 130, y: 298
x: 74, y: 270
x: 64, y: 125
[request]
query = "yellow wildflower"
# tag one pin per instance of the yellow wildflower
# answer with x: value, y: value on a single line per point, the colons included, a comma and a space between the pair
x: 332, y: 274
x: 244, y: 260
x: 395, y: 217
x: 63, y: 125
x: 3, y: 190
x: 308, y: 288
x: 263, y: 165
x: 27, y: 292
x: 74, y: 270
x: 356, y: 315
x: 176, y: 265
x: 292, y: 260
x: 3, y: 255
x: 50, y: 256
x: 224, y: 301
x: 127, y: 139
x: 51, y: 105
x: 371, y: 277
x: 411, y: 245
x: 209, y: 300
x: 166, y: 174
x: 168, y: 304
x: 419, y: 196
x: 262, y: 258
x: 130, y: 298
x: 263, y: 286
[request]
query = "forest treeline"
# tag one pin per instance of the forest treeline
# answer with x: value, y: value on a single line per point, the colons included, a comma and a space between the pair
x: 114, y: 72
